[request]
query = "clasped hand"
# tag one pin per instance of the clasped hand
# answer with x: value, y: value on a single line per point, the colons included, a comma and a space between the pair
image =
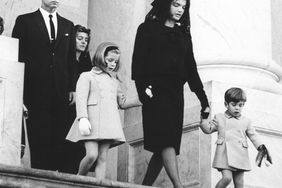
x: 84, y: 126
x: 205, y: 112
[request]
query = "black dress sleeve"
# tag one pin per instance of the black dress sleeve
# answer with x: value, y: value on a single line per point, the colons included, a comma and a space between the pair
x: 140, y: 52
x: 194, y: 79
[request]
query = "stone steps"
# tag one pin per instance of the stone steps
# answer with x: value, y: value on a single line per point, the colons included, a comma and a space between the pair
x: 19, y: 177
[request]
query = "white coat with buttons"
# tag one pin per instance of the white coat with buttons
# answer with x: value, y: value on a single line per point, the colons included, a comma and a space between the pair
x: 98, y: 97
x: 232, y: 146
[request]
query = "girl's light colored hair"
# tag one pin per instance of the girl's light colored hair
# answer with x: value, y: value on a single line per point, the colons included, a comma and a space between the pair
x: 102, y: 50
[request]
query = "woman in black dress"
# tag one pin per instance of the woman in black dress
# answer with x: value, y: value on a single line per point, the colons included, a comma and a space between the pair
x: 83, y: 64
x: 162, y: 62
x: 82, y: 54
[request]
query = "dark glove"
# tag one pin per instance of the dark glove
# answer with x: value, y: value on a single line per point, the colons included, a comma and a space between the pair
x: 262, y: 153
x: 204, y: 114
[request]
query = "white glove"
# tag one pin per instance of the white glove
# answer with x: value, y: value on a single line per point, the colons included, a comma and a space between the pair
x: 148, y: 91
x: 84, y: 126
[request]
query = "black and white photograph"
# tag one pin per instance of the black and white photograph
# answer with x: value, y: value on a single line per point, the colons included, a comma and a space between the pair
x: 140, y: 93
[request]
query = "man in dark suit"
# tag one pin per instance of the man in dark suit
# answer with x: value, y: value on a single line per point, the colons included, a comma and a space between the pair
x: 47, y: 47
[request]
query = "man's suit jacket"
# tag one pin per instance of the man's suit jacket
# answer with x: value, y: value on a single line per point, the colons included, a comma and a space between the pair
x: 232, y: 146
x: 44, y: 64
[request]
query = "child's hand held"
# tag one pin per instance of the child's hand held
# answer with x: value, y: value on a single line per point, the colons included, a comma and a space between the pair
x: 84, y: 126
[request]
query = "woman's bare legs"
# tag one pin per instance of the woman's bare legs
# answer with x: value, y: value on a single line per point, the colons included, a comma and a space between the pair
x: 171, y: 167
x: 153, y: 170
x: 168, y: 159
x: 91, y: 148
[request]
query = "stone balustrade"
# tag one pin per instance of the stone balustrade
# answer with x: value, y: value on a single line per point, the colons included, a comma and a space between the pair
x: 11, y: 177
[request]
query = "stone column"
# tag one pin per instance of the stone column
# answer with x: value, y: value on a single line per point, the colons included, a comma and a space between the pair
x: 235, y: 45
x: 117, y: 21
x: 235, y: 36
x: 11, y: 102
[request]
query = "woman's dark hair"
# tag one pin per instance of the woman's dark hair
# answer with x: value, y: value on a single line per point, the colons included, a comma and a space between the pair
x: 161, y: 10
x: 82, y: 29
x: 1, y: 25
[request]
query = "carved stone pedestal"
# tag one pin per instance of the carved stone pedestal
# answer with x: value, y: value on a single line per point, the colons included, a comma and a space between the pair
x: 11, y: 94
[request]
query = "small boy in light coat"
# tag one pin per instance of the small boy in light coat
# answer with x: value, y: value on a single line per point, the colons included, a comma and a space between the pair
x: 231, y: 156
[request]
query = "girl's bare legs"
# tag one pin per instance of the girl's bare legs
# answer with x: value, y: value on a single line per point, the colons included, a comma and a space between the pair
x: 91, y: 148
x: 238, y: 179
x: 101, y: 165
x: 167, y: 158
x: 153, y: 170
x: 225, y: 180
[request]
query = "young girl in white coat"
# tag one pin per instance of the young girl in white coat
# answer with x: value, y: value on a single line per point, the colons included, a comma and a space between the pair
x: 231, y: 155
x: 98, y: 97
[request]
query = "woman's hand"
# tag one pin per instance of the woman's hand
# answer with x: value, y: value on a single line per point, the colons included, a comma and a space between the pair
x: 148, y: 91
x: 205, y: 112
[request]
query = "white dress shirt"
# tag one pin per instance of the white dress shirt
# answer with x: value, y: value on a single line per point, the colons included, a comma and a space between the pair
x: 46, y: 18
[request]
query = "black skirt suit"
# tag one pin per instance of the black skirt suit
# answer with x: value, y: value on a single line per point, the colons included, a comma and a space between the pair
x: 163, y: 58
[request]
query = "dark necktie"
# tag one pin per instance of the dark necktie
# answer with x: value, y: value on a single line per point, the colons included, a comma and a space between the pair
x: 52, y: 27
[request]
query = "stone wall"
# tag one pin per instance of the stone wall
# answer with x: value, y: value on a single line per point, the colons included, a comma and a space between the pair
x: 11, y: 101
x: 17, y: 177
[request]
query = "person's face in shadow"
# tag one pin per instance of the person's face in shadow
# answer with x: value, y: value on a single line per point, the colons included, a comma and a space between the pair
x: 82, y: 40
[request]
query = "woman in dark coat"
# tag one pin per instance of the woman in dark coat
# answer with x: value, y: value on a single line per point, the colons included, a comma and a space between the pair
x: 83, y: 64
x: 82, y: 54
x: 162, y: 62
